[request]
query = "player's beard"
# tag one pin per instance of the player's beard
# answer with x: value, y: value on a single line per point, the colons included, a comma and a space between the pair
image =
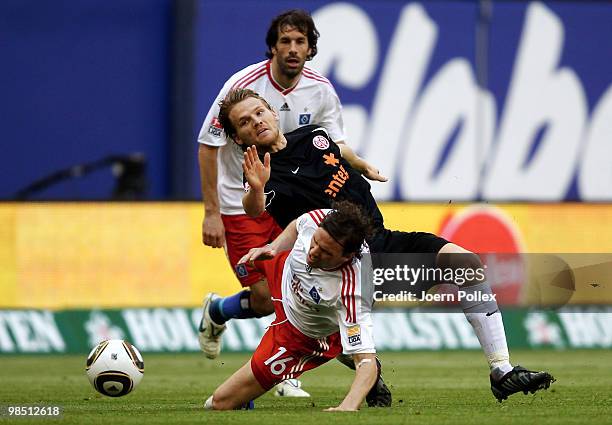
x: 290, y: 72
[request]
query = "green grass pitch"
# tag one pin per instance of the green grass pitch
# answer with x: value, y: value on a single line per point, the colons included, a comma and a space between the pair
x: 428, y: 388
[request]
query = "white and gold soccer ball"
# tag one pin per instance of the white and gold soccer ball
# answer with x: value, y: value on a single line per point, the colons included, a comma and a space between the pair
x: 114, y: 367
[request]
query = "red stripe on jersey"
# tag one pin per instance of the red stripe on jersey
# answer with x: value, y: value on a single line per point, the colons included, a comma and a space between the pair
x: 348, y: 293
x: 315, y: 75
x: 344, y: 292
x: 252, y: 79
x: 319, y: 79
x: 319, y: 214
x: 348, y: 289
x: 276, y: 85
x: 352, y: 295
x: 314, y: 72
x: 249, y: 75
x: 314, y: 218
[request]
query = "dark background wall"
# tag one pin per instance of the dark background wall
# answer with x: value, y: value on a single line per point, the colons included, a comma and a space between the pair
x: 82, y: 79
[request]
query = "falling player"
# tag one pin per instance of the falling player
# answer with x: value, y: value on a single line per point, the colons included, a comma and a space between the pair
x: 314, y: 271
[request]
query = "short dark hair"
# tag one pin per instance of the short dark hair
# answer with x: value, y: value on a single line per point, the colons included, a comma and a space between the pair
x: 296, y: 18
x: 348, y: 225
x: 230, y: 100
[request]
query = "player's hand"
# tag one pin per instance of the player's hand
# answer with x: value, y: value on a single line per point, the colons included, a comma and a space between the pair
x: 256, y: 173
x: 213, y: 231
x: 372, y: 173
x: 340, y: 409
x: 262, y: 253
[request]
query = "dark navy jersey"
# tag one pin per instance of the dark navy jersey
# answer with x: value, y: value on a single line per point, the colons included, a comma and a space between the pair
x: 309, y: 173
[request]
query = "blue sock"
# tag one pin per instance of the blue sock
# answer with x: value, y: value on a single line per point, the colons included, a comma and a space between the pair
x: 237, y: 306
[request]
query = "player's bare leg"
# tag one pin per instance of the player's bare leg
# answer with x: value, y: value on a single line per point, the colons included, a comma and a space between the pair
x: 237, y: 390
x: 246, y: 304
x: 483, y: 314
x: 260, y: 300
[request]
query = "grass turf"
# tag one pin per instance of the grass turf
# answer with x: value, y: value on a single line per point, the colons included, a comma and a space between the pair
x: 428, y: 388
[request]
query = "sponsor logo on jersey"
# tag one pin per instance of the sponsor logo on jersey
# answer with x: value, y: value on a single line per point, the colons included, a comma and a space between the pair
x: 320, y: 142
x: 331, y: 160
x: 215, y: 127
x: 241, y: 270
x: 337, y: 181
x: 304, y: 119
x: 354, y: 335
x: 315, y: 295
x: 296, y: 287
x: 285, y: 107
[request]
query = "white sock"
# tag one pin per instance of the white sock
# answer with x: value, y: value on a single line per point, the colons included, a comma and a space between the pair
x: 486, y: 320
x: 208, y: 404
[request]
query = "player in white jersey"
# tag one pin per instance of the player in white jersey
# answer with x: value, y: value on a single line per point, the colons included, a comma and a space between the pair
x: 301, y: 96
x: 319, y: 307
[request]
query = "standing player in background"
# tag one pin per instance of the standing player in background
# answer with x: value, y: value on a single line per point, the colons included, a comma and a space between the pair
x: 314, y: 273
x: 302, y: 96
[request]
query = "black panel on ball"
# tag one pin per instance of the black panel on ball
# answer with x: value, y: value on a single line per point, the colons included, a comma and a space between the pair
x: 114, y: 376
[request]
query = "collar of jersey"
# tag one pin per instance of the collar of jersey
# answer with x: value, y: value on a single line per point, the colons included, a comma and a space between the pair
x: 346, y: 263
x: 277, y: 86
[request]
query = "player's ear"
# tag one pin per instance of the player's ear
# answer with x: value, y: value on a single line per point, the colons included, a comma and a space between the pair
x: 238, y: 140
x: 275, y: 115
x: 347, y: 257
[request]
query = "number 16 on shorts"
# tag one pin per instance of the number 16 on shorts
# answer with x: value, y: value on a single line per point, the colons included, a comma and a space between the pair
x: 278, y: 366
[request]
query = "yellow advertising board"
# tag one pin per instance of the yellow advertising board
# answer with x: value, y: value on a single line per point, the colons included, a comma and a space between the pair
x: 83, y: 255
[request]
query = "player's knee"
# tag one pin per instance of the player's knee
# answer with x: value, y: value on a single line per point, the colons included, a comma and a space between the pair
x: 467, y: 266
x: 260, y: 300
x: 262, y: 305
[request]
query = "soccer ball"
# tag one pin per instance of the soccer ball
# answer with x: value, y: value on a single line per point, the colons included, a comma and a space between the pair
x: 114, y: 367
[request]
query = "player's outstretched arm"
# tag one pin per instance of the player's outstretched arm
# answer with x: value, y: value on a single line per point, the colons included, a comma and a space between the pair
x: 283, y: 242
x: 366, y: 373
x: 257, y: 175
x: 367, y: 170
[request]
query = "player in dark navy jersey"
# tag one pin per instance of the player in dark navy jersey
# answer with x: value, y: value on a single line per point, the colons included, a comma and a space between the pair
x: 309, y: 171
x: 304, y: 170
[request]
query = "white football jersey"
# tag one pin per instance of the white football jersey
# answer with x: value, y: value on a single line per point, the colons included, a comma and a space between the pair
x: 319, y: 302
x: 312, y: 100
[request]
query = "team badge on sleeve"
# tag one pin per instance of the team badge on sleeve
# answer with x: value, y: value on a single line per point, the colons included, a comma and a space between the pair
x: 320, y: 142
x: 215, y: 127
x: 304, y: 119
x: 354, y: 335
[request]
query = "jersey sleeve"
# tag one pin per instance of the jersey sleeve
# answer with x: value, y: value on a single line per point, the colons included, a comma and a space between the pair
x: 354, y: 315
x: 311, y: 219
x: 211, y: 132
x: 332, y: 116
